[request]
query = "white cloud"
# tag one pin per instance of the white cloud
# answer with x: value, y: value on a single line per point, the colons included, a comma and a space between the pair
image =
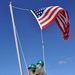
x: 68, y: 60
x: 62, y: 62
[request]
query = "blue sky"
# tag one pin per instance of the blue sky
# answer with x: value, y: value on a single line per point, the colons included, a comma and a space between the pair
x: 59, y: 53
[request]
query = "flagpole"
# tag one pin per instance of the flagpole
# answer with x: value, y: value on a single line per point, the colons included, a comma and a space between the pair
x: 43, y: 51
x: 41, y: 41
x: 16, y: 40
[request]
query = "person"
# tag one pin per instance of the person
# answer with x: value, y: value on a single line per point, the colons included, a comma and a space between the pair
x: 39, y: 70
x: 31, y: 69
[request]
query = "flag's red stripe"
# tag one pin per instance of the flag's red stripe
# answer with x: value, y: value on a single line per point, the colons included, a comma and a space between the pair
x: 67, y: 15
x: 45, y: 13
x: 62, y: 21
x: 62, y: 17
x: 49, y: 16
x: 66, y: 24
x: 63, y: 13
x: 59, y: 26
x: 51, y: 20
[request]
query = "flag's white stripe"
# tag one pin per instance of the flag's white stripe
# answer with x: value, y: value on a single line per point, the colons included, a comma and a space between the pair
x: 67, y: 19
x: 62, y: 16
x: 60, y: 23
x: 36, y: 18
x: 45, y: 11
x: 53, y: 15
x: 63, y: 20
x: 50, y: 12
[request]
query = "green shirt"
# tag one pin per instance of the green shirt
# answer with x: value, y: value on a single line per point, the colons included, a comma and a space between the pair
x: 32, y: 74
x: 40, y: 72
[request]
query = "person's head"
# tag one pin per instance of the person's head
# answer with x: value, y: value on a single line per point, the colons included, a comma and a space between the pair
x: 32, y: 69
x: 40, y: 64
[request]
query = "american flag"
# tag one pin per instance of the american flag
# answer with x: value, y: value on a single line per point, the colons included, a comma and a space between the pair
x: 47, y: 15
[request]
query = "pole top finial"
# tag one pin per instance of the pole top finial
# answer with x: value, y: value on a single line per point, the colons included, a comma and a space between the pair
x: 10, y: 2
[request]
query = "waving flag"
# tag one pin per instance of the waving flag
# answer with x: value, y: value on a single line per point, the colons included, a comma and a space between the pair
x: 46, y: 16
